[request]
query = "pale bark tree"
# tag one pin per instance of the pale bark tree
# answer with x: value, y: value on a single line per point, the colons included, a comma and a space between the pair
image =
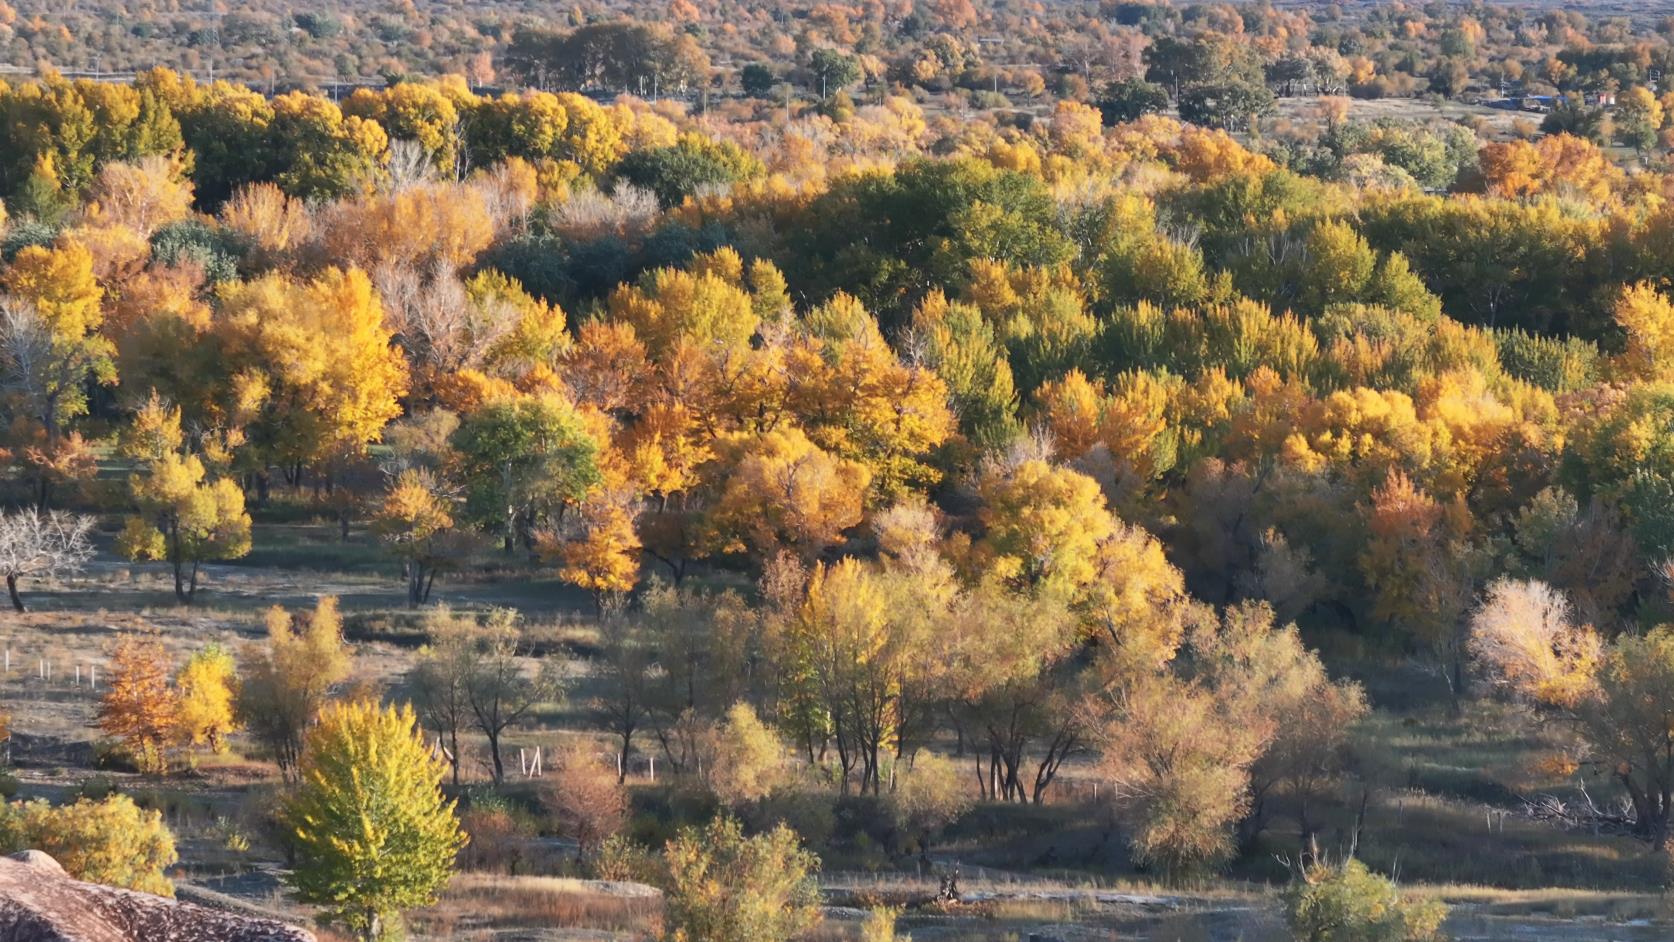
x: 37, y: 545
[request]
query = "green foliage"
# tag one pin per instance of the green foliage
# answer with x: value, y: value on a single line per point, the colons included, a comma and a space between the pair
x: 757, y: 79
x: 193, y: 241
x: 1352, y: 904
x: 688, y: 167
x: 887, y: 239
x: 1131, y: 99
x: 521, y: 459
x: 1229, y: 105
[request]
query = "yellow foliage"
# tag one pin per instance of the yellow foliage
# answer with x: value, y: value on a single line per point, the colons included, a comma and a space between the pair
x: 786, y: 493
x: 59, y: 282
x: 204, y: 688
x: 1646, y: 316
x: 373, y: 834
x: 323, y: 352
x: 139, y: 706
x: 113, y: 841
x: 606, y: 560
x: 1043, y: 526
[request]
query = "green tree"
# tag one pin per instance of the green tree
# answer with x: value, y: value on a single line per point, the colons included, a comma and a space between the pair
x: 373, y: 834
x: 757, y: 79
x: 520, y: 460
x: 1130, y: 100
x: 687, y: 167
x: 1228, y: 105
x: 833, y: 70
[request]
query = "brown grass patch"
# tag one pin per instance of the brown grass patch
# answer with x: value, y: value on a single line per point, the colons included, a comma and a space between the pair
x: 492, y: 901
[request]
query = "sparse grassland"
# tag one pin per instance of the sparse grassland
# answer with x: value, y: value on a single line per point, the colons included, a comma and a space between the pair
x: 1443, y: 806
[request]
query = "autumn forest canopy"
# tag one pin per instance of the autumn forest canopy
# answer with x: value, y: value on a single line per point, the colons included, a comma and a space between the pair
x: 1156, y: 397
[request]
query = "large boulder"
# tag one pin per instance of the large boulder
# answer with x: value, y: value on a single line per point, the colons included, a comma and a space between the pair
x: 39, y: 902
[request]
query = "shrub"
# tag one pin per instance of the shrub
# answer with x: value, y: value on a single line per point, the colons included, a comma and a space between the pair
x: 1353, y: 904
x: 584, y: 798
x: 111, y: 841
x: 497, y: 831
x: 880, y: 926
x: 619, y: 858
x: 725, y: 887
x: 746, y: 761
x: 928, y: 797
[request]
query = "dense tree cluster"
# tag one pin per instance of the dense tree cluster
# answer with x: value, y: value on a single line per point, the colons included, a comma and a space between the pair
x: 1052, y: 438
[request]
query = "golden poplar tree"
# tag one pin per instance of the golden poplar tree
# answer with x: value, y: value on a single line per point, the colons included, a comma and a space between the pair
x: 374, y: 836
x: 204, y: 691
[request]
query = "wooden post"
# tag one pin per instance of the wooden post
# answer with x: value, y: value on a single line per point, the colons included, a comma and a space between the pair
x: 92, y: 677
x: 653, y: 770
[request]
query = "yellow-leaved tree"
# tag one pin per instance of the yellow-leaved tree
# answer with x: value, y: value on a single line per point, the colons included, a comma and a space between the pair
x: 374, y: 836
x: 787, y: 494
x: 287, y: 681
x: 321, y: 354
x: 204, y: 692
x: 416, y: 518
x: 1044, y: 525
x: 1646, y: 316
x: 185, y: 517
x: 52, y: 352
x: 605, y: 560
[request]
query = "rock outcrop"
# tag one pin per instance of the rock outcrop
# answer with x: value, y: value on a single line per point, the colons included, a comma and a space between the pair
x: 39, y: 902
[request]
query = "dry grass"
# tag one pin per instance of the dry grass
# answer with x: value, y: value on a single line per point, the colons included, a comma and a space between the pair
x: 1616, y: 906
x: 479, y: 901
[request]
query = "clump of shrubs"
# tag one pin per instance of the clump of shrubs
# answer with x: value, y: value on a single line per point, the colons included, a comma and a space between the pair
x: 1352, y: 904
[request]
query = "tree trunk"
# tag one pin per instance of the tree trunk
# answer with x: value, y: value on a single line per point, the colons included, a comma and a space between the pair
x: 453, y: 753
x: 494, y: 751
x: 11, y: 590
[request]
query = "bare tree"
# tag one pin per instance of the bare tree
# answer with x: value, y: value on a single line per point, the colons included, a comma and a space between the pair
x: 409, y: 166
x: 627, y: 212
x: 480, y: 674
x: 441, y: 680
x: 43, y: 546
x: 442, y: 326
x: 1525, y: 636
x: 502, y: 690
